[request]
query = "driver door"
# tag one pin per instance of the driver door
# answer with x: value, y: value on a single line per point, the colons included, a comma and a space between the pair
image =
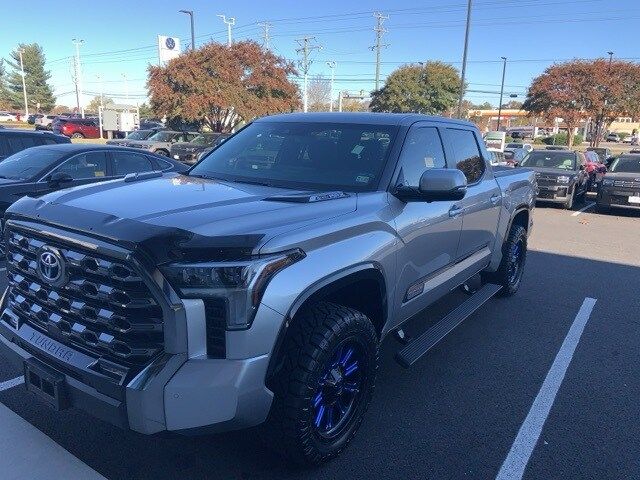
x: 429, y: 231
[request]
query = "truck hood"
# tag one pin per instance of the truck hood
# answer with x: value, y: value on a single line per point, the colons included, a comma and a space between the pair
x: 177, y: 216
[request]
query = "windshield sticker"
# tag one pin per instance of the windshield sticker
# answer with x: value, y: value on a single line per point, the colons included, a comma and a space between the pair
x: 363, y: 179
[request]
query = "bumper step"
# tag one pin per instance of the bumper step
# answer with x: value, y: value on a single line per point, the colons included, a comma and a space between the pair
x: 430, y: 338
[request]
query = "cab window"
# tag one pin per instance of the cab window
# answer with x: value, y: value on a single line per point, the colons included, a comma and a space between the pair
x: 85, y: 165
x: 466, y: 153
x: 126, y: 162
x: 422, y: 150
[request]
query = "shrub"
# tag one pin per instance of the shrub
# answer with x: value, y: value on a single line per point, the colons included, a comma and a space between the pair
x: 561, y: 139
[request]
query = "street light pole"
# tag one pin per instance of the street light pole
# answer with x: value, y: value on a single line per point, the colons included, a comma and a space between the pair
x: 77, y: 43
x: 229, y: 22
x: 332, y: 66
x: 24, y: 86
x: 464, y: 58
x: 504, y: 69
x: 193, y: 38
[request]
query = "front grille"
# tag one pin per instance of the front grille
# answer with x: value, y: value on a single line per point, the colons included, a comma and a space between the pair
x: 626, y: 184
x: 547, y: 181
x: 104, y: 309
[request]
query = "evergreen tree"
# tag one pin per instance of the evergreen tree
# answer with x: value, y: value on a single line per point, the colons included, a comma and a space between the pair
x: 36, y: 79
x: 4, y: 96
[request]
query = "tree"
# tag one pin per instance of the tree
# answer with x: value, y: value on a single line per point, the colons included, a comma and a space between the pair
x: 58, y: 109
x: 432, y: 88
x: 223, y: 85
x: 145, y: 111
x: 513, y: 104
x: 4, y: 96
x: 95, y: 103
x: 36, y: 78
x: 319, y: 94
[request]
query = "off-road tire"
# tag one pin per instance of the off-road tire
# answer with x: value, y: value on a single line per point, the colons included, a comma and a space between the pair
x: 315, y: 335
x: 502, y: 276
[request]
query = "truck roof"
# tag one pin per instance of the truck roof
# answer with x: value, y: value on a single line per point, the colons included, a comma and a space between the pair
x: 399, y: 119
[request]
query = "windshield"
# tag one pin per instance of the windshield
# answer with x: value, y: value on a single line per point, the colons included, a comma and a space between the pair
x: 27, y: 163
x: 550, y: 159
x: 202, y: 140
x: 138, y: 135
x: 162, y: 136
x: 630, y: 164
x: 318, y: 156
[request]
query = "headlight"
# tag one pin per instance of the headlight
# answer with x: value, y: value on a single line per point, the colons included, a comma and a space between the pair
x: 563, y: 179
x: 240, y: 284
x: 607, y: 182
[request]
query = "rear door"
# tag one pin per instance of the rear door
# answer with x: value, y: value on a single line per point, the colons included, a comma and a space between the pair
x: 430, y: 231
x: 481, y: 205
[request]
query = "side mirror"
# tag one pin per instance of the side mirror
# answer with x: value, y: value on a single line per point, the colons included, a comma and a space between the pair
x: 59, y: 178
x: 436, y: 184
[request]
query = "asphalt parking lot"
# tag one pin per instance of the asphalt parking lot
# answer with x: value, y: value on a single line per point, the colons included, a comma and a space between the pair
x: 467, y: 404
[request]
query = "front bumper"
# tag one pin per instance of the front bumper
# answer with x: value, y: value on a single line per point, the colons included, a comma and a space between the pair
x: 617, y: 198
x: 174, y: 392
x: 554, y: 194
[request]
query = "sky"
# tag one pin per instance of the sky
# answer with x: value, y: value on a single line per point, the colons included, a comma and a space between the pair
x: 120, y: 37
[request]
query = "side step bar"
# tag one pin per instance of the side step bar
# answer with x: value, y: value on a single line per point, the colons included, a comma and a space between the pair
x: 429, y: 339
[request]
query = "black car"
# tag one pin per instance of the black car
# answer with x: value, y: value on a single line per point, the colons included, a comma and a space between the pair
x: 40, y: 170
x: 14, y: 140
x: 135, y: 135
x: 219, y: 140
x: 561, y: 175
x: 620, y: 187
x: 188, y: 152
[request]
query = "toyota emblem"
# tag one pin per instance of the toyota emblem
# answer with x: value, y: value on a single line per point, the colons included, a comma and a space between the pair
x: 51, y: 267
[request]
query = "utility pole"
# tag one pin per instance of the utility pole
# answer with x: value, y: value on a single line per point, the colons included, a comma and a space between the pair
x: 24, y: 85
x: 305, y: 49
x: 380, y: 30
x: 504, y: 69
x: 193, y: 37
x: 265, y: 35
x: 332, y: 66
x: 600, y: 118
x: 229, y: 22
x: 77, y: 43
x: 464, y: 58
x: 99, y: 78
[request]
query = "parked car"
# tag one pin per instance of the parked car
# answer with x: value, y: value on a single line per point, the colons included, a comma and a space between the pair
x: 77, y: 127
x: 7, y: 117
x: 188, y: 152
x: 514, y: 156
x: 556, y: 147
x: 135, y: 135
x: 161, y: 141
x: 620, y: 187
x: 43, y: 169
x: 13, y: 140
x: 44, y: 122
x: 148, y: 124
x: 527, y: 147
x: 218, y: 141
x: 259, y: 286
x: 595, y: 169
x: 31, y: 119
x: 561, y: 176
x: 612, y: 137
x: 602, y: 152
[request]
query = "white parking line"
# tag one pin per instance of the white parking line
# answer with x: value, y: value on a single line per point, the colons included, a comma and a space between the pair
x: 11, y: 383
x: 522, y: 448
x: 575, y: 214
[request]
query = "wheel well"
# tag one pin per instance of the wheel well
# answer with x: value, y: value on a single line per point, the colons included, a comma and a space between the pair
x: 364, y: 291
x: 522, y: 219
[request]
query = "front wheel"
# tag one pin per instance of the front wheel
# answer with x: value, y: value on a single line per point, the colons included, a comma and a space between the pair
x: 569, y: 203
x: 325, y: 383
x: 514, y: 256
x: 77, y: 135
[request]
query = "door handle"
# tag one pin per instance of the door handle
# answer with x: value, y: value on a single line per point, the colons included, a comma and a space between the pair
x: 455, y: 211
x: 495, y: 199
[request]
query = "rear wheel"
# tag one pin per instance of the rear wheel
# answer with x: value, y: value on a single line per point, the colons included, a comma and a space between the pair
x: 164, y: 153
x: 514, y: 256
x: 77, y: 135
x: 325, y: 383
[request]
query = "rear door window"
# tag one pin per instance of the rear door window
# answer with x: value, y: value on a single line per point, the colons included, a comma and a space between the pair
x: 466, y: 153
x: 125, y: 163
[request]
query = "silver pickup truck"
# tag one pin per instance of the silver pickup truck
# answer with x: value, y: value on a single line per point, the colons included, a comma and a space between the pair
x: 257, y: 288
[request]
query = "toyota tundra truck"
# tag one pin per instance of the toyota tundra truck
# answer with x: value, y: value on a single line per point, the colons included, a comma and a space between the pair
x: 257, y: 288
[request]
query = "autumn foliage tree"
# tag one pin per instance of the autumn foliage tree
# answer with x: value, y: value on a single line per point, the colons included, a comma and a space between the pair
x: 223, y: 85
x: 579, y: 89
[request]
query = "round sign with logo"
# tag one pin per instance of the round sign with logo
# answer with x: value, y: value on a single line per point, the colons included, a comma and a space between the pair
x: 170, y: 43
